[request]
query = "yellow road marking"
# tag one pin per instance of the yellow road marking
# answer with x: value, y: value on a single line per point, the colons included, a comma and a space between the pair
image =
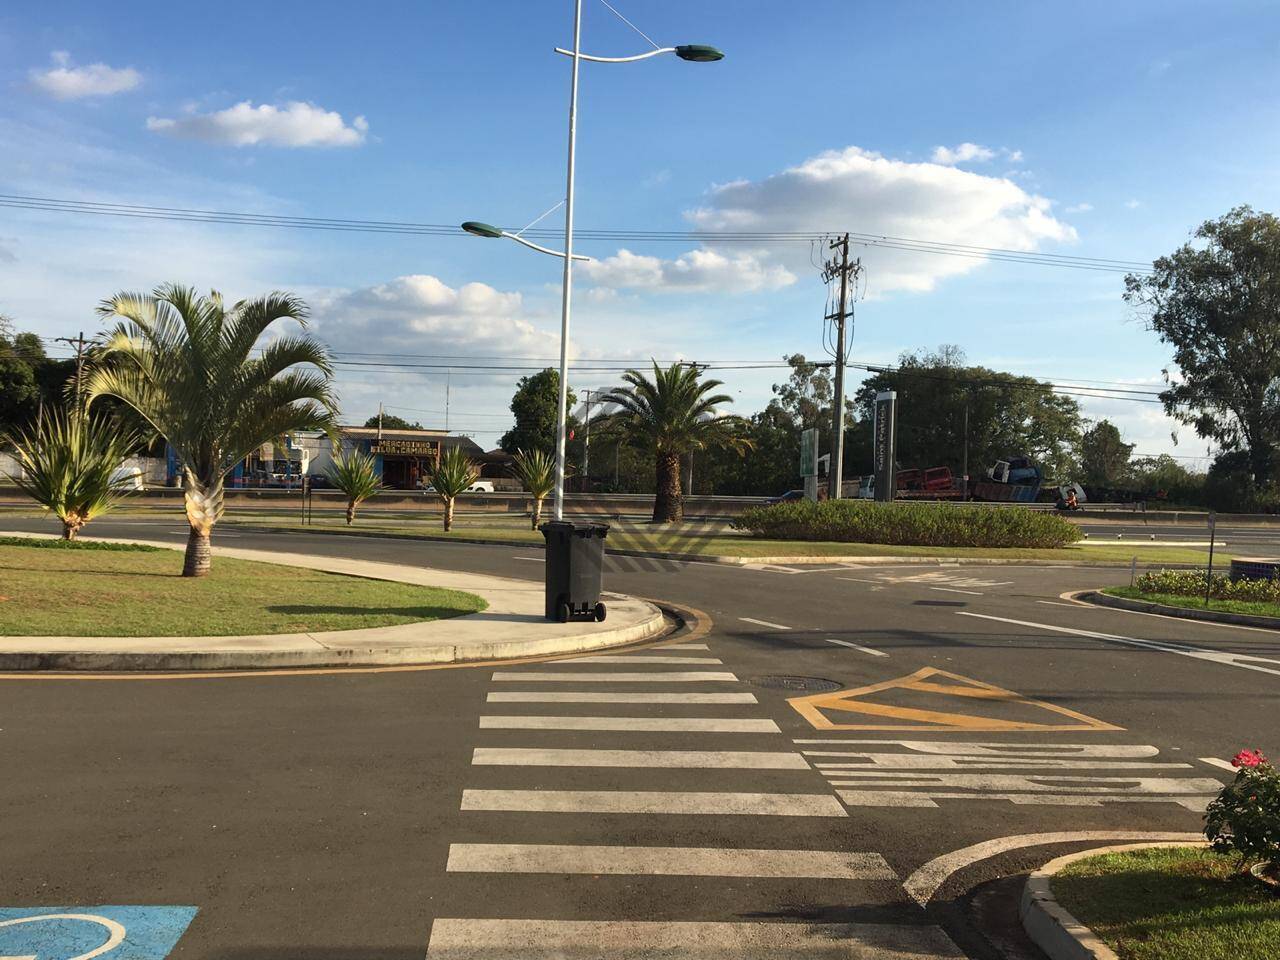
x: 916, y: 718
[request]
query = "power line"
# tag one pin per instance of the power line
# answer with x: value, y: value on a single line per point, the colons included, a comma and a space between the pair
x: 411, y: 228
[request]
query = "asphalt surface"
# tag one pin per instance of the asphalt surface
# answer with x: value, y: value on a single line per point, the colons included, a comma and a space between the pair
x: 365, y: 815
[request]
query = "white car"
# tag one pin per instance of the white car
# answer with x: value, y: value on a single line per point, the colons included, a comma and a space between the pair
x: 480, y: 486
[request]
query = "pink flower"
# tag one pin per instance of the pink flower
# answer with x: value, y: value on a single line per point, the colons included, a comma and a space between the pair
x: 1248, y: 758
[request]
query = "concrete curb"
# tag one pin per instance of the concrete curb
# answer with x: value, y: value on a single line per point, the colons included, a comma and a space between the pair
x: 1055, y: 931
x: 400, y: 645
x: 1100, y: 599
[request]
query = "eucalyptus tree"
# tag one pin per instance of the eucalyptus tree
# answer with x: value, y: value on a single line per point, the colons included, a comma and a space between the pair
x: 194, y: 369
x: 70, y: 465
x: 673, y: 414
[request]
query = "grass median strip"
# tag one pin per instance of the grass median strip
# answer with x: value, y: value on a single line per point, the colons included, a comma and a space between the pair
x: 94, y: 592
x: 1178, y: 903
x: 1250, y: 608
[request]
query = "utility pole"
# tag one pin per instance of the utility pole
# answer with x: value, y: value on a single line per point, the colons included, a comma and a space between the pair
x: 586, y: 440
x: 448, y: 383
x: 79, y: 343
x: 966, y: 449
x: 379, y: 420
x: 843, y: 269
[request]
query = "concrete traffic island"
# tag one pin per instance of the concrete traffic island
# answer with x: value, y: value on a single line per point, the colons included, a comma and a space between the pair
x: 1052, y: 927
x: 511, y: 627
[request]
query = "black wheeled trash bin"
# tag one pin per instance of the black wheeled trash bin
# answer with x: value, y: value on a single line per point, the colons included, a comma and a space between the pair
x: 575, y: 565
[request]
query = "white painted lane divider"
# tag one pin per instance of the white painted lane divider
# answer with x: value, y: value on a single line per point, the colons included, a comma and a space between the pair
x: 665, y: 861
x: 532, y: 559
x: 972, y: 593
x: 689, y: 759
x: 658, y: 802
x: 763, y: 623
x: 1243, y: 661
x: 1219, y: 763
x: 459, y: 939
x: 994, y: 748
x: 636, y: 724
x: 591, y: 696
x: 682, y: 646
x: 855, y: 646
x: 653, y: 676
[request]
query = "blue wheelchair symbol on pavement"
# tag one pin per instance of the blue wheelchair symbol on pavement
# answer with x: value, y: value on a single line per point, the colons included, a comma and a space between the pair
x: 85, y: 933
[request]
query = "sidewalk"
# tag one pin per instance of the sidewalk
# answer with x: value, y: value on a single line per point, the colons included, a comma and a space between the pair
x: 512, y: 626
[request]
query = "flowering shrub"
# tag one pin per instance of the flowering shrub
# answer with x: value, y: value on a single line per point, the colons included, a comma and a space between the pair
x: 1245, y: 816
x: 1190, y: 583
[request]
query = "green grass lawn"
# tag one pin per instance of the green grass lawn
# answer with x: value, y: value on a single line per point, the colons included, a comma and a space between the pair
x: 1179, y: 903
x: 82, y: 591
x: 1255, y: 609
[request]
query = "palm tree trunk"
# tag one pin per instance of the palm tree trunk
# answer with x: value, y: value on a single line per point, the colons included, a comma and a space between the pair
x: 351, y: 511
x: 70, y: 527
x: 198, y: 556
x: 448, y: 515
x: 668, y: 503
x: 203, y: 502
x: 537, y: 512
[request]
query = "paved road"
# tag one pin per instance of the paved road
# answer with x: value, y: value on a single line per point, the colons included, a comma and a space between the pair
x: 544, y: 810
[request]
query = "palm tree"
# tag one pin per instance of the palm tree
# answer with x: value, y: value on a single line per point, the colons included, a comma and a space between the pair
x: 185, y: 363
x: 673, y: 414
x: 536, y: 469
x: 355, y: 474
x: 452, y: 477
x: 71, y: 465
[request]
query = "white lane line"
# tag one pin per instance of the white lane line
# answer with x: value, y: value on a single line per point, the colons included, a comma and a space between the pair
x: 763, y: 623
x: 1030, y: 783
x: 861, y: 580
x: 972, y: 593
x: 646, y: 724
x: 653, y: 676
x: 906, y: 761
x: 661, y: 802
x: 682, y: 646
x: 1214, y: 656
x: 1055, y: 603
x: 988, y: 748
x: 532, y: 559
x: 675, y: 759
x: 924, y: 883
x: 1219, y: 763
x: 589, y: 696
x: 665, y: 861
x: 457, y: 939
x: 846, y: 643
x: 644, y: 658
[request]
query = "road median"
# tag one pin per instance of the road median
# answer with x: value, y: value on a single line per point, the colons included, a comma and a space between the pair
x: 512, y: 626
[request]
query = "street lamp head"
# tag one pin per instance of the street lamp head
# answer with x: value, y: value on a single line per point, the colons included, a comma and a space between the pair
x: 699, y: 53
x: 476, y: 228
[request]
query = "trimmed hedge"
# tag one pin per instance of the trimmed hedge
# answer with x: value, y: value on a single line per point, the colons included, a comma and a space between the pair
x: 60, y: 544
x: 905, y: 523
x: 1191, y: 583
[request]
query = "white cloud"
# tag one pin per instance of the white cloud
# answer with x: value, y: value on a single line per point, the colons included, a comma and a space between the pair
x: 1079, y: 208
x: 863, y: 191
x: 419, y: 313
x: 698, y: 270
x: 66, y: 82
x: 963, y: 153
x: 296, y: 124
x: 1132, y: 204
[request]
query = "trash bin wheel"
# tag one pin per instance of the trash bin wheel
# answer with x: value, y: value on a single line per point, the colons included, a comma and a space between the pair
x: 562, y: 612
x: 599, y: 612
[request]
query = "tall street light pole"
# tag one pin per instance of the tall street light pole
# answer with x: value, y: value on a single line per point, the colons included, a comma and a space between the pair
x: 695, y: 53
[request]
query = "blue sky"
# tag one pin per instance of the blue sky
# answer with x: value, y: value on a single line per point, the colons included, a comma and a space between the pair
x: 1095, y: 129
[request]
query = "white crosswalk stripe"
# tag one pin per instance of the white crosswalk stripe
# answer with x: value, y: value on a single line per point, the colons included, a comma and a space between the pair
x: 690, y: 676
x: 700, y: 759
x: 643, y: 658
x: 635, y: 724
x: 666, y: 861
x: 592, y: 696
x: 456, y: 939
x: 656, y: 801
